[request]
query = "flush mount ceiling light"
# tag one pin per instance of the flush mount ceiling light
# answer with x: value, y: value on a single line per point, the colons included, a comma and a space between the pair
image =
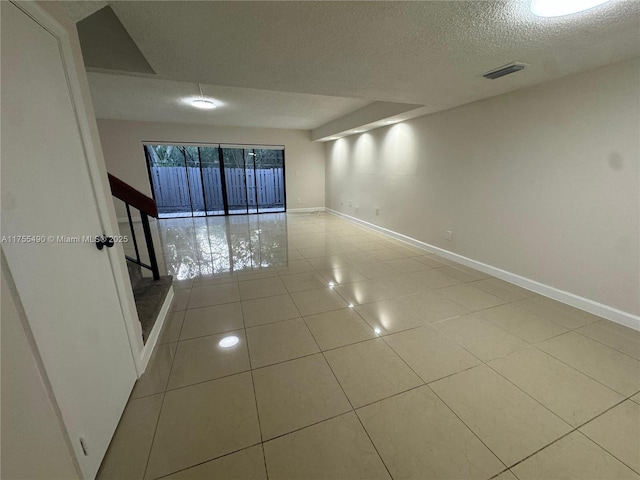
x: 230, y: 341
x: 559, y: 8
x: 202, y: 102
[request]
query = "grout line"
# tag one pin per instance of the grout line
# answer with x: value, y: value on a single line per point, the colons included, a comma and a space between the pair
x: 500, y: 473
x: 208, y: 460
x: 255, y: 396
x: 563, y: 436
x: 208, y: 380
x: 575, y: 368
x: 307, y: 426
x: 559, y: 438
x: 602, y: 446
x: 350, y: 402
x: 465, y: 424
x: 516, y: 386
x: 433, y: 324
x: 456, y: 373
x: 527, y: 393
x: 577, y: 330
x: 164, y: 396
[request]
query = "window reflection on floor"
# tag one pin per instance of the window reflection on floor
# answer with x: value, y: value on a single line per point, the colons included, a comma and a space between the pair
x: 193, y: 247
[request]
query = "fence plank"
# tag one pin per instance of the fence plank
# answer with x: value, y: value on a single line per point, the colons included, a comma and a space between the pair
x: 178, y: 189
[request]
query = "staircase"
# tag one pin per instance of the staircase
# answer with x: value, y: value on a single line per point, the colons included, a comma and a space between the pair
x: 149, y: 293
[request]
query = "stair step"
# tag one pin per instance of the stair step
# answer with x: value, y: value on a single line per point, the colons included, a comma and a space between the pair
x: 150, y: 295
x: 135, y: 273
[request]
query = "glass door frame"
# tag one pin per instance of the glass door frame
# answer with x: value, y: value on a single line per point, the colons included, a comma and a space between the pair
x: 225, y: 199
x: 186, y: 167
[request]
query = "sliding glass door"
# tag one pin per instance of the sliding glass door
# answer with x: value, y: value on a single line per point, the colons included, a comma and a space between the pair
x: 168, y: 176
x: 268, y: 167
x: 235, y: 175
x: 194, y: 180
x: 254, y: 179
x: 212, y: 180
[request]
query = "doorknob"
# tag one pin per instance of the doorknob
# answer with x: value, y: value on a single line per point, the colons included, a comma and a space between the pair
x: 104, y: 241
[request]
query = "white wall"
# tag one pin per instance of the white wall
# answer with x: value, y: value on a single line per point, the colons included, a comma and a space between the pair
x: 34, y: 443
x: 542, y: 182
x: 304, y: 160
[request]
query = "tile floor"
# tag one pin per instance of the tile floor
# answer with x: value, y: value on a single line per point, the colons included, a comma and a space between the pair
x: 362, y: 358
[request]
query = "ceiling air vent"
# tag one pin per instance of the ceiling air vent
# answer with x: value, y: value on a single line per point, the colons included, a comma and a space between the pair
x: 504, y: 70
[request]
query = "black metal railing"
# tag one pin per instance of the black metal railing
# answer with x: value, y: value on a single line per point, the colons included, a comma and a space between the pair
x: 147, y: 207
x: 149, y: 241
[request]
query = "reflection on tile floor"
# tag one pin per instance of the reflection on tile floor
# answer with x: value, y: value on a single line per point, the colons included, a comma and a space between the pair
x: 358, y: 357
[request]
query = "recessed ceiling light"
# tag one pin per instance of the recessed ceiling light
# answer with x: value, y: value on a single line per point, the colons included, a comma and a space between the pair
x: 230, y: 341
x: 203, y: 104
x: 559, y: 8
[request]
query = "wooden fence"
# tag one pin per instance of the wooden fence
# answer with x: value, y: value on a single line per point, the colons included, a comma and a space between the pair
x: 176, y: 189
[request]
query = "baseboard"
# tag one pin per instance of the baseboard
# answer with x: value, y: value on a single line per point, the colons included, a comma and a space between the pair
x: 306, y: 210
x: 145, y: 353
x: 289, y: 210
x: 610, y: 313
x: 135, y: 219
x: 126, y: 220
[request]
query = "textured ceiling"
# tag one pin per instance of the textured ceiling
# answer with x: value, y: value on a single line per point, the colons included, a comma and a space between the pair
x: 424, y: 52
x: 80, y: 10
x: 145, y: 99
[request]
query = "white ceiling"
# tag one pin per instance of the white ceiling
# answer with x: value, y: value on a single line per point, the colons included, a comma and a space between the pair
x: 425, y: 52
x: 147, y: 99
x: 79, y: 10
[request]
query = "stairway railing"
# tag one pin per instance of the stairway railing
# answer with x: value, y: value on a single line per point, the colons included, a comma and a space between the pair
x: 147, y: 207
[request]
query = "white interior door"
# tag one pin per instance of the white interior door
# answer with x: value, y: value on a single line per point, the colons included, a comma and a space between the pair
x: 67, y: 289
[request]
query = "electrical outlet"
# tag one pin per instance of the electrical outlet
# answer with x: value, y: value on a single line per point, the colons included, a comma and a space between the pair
x: 299, y: 201
x: 350, y: 203
x: 377, y: 211
x: 449, y: 235
x: 341, y: 201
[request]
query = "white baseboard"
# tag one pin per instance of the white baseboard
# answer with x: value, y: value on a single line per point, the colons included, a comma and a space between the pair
x: 126, y: 220
x: 610, y: 313
x: 145, y: 353
x: 289, y: 210
x: 135, y: 219
x: 306, y: 210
